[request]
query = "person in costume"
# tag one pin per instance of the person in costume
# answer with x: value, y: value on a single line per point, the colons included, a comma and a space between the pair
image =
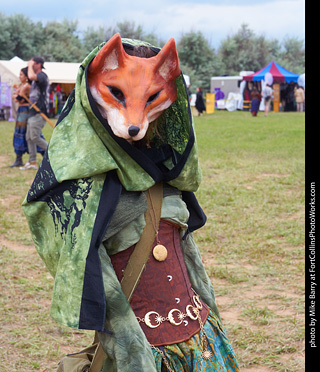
x: 19, y: 138
x: 126, y: 127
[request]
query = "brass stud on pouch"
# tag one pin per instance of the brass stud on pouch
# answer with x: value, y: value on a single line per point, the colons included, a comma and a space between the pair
x: 160, y: 252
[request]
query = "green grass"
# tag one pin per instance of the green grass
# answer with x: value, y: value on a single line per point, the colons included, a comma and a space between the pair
x: 252, y: 245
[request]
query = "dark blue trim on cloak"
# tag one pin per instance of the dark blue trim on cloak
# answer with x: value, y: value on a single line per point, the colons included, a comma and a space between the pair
x: 93, y: 303
x: 46, y: 188
x: 197, y: 217
x: 44, y: 184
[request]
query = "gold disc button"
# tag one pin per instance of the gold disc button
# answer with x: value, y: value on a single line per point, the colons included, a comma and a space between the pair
x: 160, y: 252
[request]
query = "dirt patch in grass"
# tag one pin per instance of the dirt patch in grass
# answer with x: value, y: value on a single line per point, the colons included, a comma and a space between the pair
x: 15, y: 246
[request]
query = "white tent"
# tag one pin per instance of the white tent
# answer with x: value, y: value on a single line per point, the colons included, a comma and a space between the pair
x: 58, y: 72
x: 62, y: 73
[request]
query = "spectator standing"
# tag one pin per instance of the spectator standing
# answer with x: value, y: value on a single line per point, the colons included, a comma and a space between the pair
x: 39, y: 95
x: 267, y: 94
x: 51, y: 104
x: 299, y: 95
x: 255, y: 101
x: 19, y: 138
x: 58, y: 100
x: 200, y: 106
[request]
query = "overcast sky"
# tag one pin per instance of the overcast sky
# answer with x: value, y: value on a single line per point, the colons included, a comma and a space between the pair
x: 216, y: 19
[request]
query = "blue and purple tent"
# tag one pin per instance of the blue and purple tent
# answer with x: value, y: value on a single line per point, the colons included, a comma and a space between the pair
x: 279, y: 74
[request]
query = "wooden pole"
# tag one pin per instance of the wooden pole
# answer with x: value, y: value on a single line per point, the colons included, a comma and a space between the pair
x: 276, y: 97
x: 33, y: 105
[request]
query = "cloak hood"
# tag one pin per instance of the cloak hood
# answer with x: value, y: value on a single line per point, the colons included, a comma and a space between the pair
x: 78, y: 186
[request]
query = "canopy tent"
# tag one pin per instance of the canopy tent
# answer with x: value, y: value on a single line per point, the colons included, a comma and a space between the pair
x: 58, y: 72
x: 64, y: 74
x: 279, y: 74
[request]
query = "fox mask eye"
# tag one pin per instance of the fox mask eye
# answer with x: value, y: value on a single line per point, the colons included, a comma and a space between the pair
x: 118, y: 94
x: 153, y: 98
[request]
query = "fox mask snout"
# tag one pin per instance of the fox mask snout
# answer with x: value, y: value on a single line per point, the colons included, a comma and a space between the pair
x: 131, y: 92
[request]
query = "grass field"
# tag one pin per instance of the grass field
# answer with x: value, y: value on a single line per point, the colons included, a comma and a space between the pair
x: 253, y: 246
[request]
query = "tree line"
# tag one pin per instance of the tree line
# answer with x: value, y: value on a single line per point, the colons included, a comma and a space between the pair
x: 63, y: 42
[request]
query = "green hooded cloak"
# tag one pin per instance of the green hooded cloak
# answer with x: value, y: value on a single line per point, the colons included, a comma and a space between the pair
x: 79, y: 183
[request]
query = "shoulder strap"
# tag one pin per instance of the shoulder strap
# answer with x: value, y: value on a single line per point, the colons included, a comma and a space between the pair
x: 138, y: 258
x: 141, y: 253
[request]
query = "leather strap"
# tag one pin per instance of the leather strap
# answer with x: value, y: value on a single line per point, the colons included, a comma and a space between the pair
x: 141, y: 253
x: 138, y: 258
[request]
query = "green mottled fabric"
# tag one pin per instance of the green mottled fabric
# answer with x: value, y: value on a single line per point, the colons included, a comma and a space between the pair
x: 64, y: 252
x: 81, y: 154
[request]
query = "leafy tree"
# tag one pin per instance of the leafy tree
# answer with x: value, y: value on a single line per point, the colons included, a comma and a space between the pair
x: 19, y: 36
x: 59, y: 41
x: 5, y: 50
x: 129, y: 30
x: 62, y: 44
x: 292, y: 56
x: 198, y: 60
x: 245, y: 51
x: 93, y: 38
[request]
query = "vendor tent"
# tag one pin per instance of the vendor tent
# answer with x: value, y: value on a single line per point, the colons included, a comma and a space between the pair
x: 58, y: 72
x: 62, y: 73
x: 279, y: 74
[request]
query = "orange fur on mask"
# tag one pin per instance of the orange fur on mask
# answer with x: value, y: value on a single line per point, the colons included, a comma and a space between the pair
x: 130, y: 91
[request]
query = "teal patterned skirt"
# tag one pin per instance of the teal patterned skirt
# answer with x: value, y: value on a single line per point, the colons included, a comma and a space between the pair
x: 187, y: 356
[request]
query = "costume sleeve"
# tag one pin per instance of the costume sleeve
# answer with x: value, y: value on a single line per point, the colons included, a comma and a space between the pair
x: 127, y: 348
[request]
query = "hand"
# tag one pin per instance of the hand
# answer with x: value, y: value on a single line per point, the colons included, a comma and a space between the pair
x: 31, y: 70
x: 31, y: 63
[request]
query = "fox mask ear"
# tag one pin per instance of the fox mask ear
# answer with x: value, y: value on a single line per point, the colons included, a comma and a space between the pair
x: 168, y: 62
x: 110, y: 57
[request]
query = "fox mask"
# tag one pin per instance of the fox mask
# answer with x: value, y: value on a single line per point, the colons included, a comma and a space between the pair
x: 130, y: 91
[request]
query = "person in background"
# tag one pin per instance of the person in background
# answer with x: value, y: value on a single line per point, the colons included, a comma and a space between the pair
x: 255, y: 101
x: 200, y: 106
x: 19, y: 138
x: 39, y: 95
x: 51, y: 104
x: 58, y: 100
x: 290, y: 99
x: 267, y: 94
x: 299, y: 96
